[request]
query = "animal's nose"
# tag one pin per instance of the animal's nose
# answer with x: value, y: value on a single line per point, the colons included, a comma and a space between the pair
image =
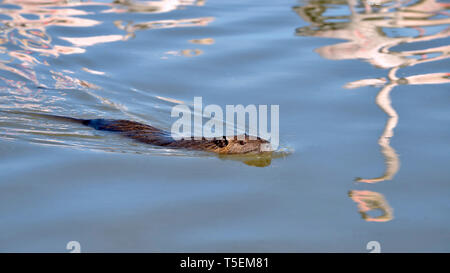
x: 266, y: 147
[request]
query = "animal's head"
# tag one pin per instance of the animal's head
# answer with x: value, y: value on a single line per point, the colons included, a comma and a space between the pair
x: 242, y: 144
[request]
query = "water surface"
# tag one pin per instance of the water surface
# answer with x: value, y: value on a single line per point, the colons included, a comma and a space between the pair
x: 363, y: 94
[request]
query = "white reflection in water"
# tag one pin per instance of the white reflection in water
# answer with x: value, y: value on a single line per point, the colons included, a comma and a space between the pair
x: 366, y: 30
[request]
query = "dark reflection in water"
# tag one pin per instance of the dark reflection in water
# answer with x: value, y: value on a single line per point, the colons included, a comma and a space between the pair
x: 259, y: 160
x: 371, y: 30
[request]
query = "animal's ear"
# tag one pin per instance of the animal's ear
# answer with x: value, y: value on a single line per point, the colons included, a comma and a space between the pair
x: 221, y: 143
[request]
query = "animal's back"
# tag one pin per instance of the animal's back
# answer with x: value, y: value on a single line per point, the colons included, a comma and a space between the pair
x: 132, y: 129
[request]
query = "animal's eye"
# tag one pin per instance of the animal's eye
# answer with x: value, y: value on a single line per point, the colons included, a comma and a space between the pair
x: 241, y: 142
x: 221, y: 143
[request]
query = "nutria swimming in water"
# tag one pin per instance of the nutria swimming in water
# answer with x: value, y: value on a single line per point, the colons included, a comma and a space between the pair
x: 243, y: 144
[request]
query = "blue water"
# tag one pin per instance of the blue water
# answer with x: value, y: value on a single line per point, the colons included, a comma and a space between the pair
x: 363, y: 93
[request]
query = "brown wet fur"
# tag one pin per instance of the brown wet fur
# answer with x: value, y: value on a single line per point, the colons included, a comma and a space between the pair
x: 242, y: 144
